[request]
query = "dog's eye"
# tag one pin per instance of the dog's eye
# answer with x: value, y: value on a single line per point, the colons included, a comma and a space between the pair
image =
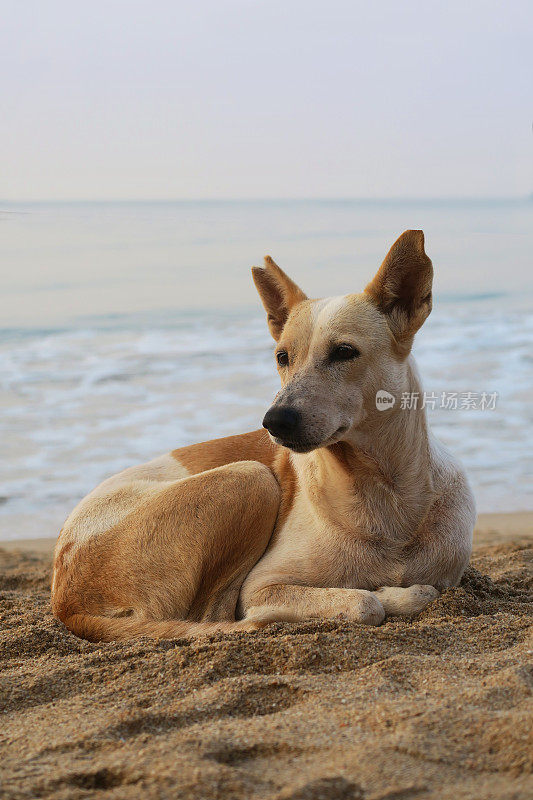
x: 344, y: 352
x: 282, y: 357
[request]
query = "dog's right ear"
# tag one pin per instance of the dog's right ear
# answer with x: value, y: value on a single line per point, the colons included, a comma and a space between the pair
x: 278, y: 294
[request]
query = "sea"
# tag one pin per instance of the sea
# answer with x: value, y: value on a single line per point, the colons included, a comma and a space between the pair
x: 131, y: 328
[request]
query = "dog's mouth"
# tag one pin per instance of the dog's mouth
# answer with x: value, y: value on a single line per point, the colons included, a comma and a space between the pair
x: 306, y: 446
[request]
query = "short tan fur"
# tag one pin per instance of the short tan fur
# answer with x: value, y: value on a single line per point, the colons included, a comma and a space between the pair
x: 338, y: 509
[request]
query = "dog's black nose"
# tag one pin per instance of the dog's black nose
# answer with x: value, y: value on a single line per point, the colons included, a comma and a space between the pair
x: 282, y: 421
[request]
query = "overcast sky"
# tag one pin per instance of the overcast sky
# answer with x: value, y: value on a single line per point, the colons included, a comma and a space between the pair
x: 262, y: 98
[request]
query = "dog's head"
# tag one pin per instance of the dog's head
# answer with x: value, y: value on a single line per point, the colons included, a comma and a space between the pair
x: 334, y: 354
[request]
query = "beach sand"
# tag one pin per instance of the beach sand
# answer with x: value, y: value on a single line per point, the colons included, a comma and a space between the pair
x: 437, y: 707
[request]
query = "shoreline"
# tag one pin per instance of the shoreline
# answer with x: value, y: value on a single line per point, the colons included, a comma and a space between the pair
x: 491, y: 528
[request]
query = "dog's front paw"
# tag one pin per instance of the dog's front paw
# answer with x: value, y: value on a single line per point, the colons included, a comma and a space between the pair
x: 406, y: 601
x: 359, y: 606
x: 421, y: 595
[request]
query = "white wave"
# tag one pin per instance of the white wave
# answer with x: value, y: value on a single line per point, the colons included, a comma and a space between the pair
x: 78, y: 405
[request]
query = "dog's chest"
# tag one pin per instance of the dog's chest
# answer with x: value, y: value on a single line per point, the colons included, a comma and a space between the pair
x: 349, y: 545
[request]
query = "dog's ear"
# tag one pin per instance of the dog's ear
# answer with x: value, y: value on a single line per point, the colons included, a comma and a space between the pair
x: 278, y: 294
x: 402, y: 287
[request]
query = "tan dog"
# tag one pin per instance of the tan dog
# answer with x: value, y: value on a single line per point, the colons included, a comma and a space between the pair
x: 339, y: 510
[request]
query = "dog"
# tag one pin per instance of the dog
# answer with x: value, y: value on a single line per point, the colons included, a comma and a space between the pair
x: 335, y: 509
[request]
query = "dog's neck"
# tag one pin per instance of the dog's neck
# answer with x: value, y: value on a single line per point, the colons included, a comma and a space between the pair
x: 384, y: 462
x: 395, y: 439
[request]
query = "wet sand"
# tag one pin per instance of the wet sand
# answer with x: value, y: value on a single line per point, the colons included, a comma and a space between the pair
x: 436, y: 707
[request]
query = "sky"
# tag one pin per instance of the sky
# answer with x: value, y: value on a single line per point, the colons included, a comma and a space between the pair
x: 166, y: 99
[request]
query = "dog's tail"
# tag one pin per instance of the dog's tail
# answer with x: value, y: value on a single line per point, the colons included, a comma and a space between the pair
x: 109, y: 629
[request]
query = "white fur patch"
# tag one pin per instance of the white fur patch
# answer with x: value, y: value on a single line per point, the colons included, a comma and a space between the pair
x: 324, y: 311
x: 117, y: 497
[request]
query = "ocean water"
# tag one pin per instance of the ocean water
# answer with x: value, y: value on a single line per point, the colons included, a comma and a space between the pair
x: 130, y: 329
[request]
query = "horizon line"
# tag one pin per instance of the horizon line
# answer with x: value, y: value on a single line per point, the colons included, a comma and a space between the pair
x: 309, y: 199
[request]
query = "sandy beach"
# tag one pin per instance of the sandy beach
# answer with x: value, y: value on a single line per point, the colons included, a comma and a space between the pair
x: 436, y: 707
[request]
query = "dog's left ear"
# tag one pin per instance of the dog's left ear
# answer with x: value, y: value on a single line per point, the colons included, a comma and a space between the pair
x: 402, y: 287
x: 278, y: 294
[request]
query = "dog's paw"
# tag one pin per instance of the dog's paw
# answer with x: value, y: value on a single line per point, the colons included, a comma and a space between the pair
x: 372, y: 611
x: 406, y: 601
x: 360, y: 606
